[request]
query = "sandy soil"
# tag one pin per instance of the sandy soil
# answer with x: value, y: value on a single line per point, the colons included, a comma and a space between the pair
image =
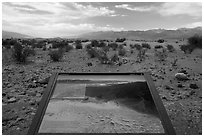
x: 22, y: 86
x: 65, y: 116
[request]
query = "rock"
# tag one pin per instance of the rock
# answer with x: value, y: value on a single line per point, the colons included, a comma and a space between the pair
x: 31, y: 93
x: 12, y: 100
x: 8, y: 117
x: 164, y: 97
x: 21, y: 71
x: 3, y: 94
x: 181, y: 76
x: 168, y: 87
x: 112, y: 122
x: 89, y: 64
x: 38, y: 95
x: 180, y: 85
x: 44, y: 81
x: 32, y: 85
x: 32, y: 102
x: 173, y: 92
x: 193, y: 86
x: 183, y: 71
x: 32, y: 113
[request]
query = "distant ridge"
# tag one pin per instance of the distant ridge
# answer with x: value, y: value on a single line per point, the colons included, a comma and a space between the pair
x: 153, y: 34
x: 8, y: 34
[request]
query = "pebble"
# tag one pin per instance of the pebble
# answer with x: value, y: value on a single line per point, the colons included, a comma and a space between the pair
x: 168, y: 87
x: 180, y: 85
x: 181, y: 76
x: 12, y: 100
x: 112, y: 122
x: 32, y: 113
x: 193, y: 86
x: 126, y: 120
x: 31, y: 93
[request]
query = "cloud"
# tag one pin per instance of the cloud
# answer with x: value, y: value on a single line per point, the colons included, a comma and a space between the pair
x: 18, y: 6
x: 58, y: 30
x: 140, y: 9
x: 83, y: 11
x: 193, y: 25
x: 193, y: 9
x: 21, y: 7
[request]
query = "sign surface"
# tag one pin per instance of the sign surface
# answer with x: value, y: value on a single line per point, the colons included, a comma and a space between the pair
x: 101, y: 104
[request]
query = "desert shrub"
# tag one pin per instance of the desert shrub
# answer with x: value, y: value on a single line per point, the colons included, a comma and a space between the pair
x: 44, y: 48
x: 91, y: 52
x: 195, y: 42
x: 186, y: 48
x: 106, y: 48
x: 174, y: 62
x: 94, y: 43
x: 78, y: 44
x: 121, y: 52
x: 146, y: 45
x: 68, y: 48
x: 114, y: 58
x: 86, y: 40
x: 20, y: 53
x: 161, y: 54
x: 102, y: 56
x: 104, y: 59
x: 120, y: 46
x: 120, y: 39
x: 141, y: 54
x: 138, y: 46
x: 102, y: 44
x: 88, y: 46
x: 158, y: 47
x: 160, y: 41
x: 13, y: 42
x: 59, y: 44
x: 114, y: 46
x: 56, y: 55
x: 170, y: 48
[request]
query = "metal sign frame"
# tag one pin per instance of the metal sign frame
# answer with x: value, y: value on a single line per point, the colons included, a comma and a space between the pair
x: 36, y: 122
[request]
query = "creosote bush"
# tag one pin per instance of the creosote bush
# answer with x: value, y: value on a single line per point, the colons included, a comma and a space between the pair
x: 121, y: 52
x: 146, y: 45
x: 195, y: 42
x: 160, y: 41
x: 186, y: 49
x: 56, y: 55
x: 170, y: 48
x: 20, y: 53
x: 114, y: 46
x: 114, y: 58
x: 161, y: 54
x: 78, y: 44
x: 141, y: 54
x: 158, y: 47
x: 91, y: 52
x: 120, y: 39
x: 137, y: 46
x: 68, y: 48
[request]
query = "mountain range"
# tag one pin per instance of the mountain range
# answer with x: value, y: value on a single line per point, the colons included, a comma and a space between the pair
x: 8, y: 34
x: 153, y: 34
x: 145, y: 35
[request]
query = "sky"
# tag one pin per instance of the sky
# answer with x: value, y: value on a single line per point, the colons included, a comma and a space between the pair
x: 63, y: 19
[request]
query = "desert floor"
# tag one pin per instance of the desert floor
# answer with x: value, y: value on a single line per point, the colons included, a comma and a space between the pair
x: 23, y: 86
